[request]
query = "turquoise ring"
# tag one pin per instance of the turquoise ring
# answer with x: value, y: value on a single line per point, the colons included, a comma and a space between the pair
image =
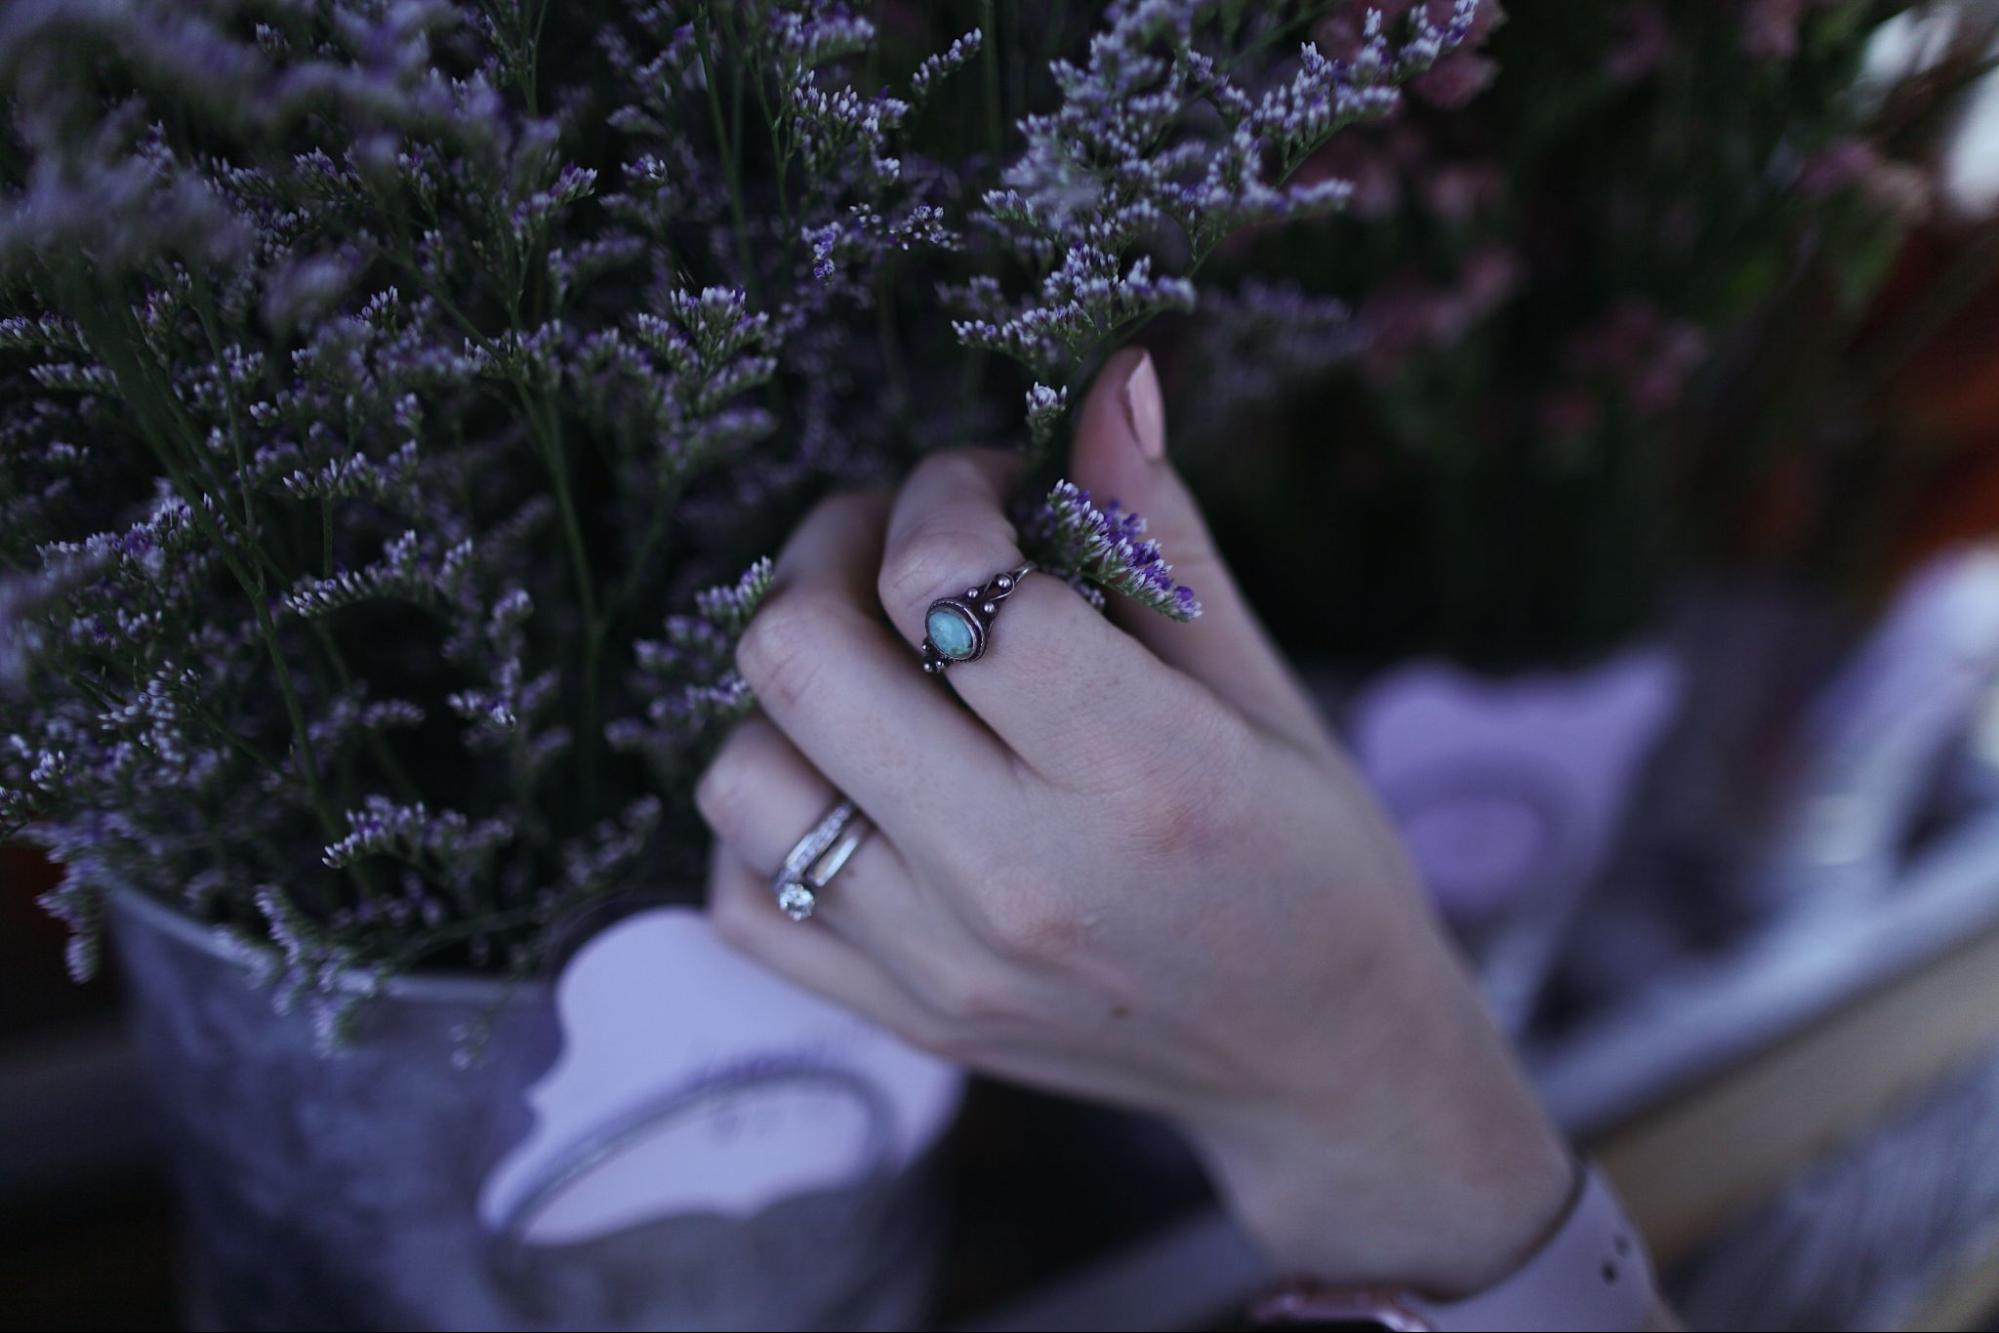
x: 956, y: 629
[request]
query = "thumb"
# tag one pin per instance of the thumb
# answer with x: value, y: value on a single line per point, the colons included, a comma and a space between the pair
x: 1119, y: 453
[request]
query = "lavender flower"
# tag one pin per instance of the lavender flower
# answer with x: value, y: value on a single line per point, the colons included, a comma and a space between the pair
x: 689, y: 676
x: 446, y: 841
x: 936, y: 68
x: 1103, y: 548
x: 1156, y: 134
x: 1045, y: 409
x: 1258, y: 343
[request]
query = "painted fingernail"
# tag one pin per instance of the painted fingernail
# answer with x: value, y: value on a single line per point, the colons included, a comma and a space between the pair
x: 1144, y: 409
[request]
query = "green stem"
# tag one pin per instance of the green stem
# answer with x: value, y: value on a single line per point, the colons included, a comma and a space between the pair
x: 136, y: 385
x: 989, y: 56
x: 780, y: 168
x: 731, y: 168
x: 204, y: 309
x: 151, y: 404
x: 436, y: 940
x: 889, y: 340
x: 871, y: 77
x: 628, y: 587
x: 548, y: 439
x: 546, y: 423
x: 548, y: 433
x: 534, y: 55
x: 248, y: 749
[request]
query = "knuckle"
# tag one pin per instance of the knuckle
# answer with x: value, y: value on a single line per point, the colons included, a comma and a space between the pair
x: 934, y: 559
x: 781, y: 649
x: 856, y: 505
x: 966, y: 995
x: 1196, y: 805
x: 1033, y: 926
x: 719, y: 793
x: 947, y: 1041
x: 957, y: 469
x: 927, y: 1029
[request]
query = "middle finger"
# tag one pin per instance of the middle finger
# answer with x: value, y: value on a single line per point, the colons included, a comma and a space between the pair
x: 1059, y: 683
x: 835, y: 681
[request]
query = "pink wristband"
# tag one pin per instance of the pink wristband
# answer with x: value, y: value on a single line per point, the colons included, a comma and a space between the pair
x: 1592, y: 1273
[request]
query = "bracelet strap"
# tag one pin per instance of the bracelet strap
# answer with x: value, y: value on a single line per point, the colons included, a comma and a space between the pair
x: 1591, y: 1273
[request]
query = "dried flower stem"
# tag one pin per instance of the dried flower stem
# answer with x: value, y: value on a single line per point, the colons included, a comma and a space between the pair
x: 154, y: 404
x: 726, y: 149
x: 989, y: 58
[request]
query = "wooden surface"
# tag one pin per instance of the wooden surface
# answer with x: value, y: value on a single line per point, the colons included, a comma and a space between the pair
x: 1968, y: 1298
x: 1702, y: 1161
x: 1705, y: 1159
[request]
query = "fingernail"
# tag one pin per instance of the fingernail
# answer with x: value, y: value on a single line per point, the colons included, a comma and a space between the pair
x: 1144, y: 409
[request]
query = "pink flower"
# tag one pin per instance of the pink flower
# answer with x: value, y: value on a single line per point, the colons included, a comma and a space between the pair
x: 1838, y: 166
x: 1457, y: 191
x: 1456, y: 79
x: 1643, y: 352
x: 1770, y: 27
x: 1897, y: 188
x: 1642, y: 44
x: 1364, y: 163
x: 1410, y: 315
x: 1569, y: 414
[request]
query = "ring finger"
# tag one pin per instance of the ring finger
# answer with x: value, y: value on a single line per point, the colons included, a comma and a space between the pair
x: 760, y: 796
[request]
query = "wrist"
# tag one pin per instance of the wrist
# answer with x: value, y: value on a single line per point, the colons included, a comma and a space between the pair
x: 1450, y: 1232
x: 1589, y: 1272
x: 1420, y: 1156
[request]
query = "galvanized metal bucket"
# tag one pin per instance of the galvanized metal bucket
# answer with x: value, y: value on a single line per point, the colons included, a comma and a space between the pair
x: 340, y: 1191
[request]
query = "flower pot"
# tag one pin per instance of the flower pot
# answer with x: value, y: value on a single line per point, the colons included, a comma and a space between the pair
x: 343, y: 1189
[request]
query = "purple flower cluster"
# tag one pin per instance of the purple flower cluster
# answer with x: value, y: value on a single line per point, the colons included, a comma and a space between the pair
x: 689, y: 673
x: 1258, y: 342
x: 375, y: 374
x: 1102, y: 548
x: 1159, y: 134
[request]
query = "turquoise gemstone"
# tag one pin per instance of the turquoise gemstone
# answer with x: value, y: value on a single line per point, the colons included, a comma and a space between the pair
x: 949, y: 633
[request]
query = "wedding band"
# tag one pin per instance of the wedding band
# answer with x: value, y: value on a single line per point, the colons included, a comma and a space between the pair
x: 818, y: 856
x: 956, y: 629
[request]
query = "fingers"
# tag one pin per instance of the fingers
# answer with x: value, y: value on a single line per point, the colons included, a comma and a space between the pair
x: 1057, y: 681
x: 760, y: 796
x: 1120, y: 453
x: 851, y: 697
x: 745, y: 915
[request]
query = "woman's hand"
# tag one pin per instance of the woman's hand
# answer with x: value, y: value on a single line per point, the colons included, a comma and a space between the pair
x: 1127, y: 862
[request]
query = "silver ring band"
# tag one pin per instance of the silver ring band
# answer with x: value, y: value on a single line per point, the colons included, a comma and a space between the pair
x: 817, y: 857
x: 956, y: 629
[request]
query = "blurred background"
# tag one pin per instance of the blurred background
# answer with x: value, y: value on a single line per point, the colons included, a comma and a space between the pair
x: 1640, y: 527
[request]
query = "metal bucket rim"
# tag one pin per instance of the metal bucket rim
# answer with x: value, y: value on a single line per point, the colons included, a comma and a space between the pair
x: 428, y: 986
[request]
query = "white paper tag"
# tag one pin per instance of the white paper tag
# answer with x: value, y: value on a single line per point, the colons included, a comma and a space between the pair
x: 690, y: 1079
x: 1502, y: 788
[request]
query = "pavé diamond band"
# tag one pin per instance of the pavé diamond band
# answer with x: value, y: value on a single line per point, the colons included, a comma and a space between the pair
x: 818, y: 856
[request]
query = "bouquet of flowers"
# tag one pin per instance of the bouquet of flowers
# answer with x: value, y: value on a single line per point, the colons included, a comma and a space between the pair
x: 399, y: 396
